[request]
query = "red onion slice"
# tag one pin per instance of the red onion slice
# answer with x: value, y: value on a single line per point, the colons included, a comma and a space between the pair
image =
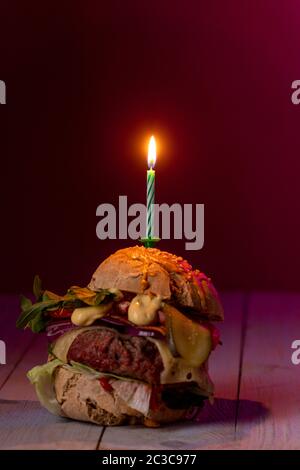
x: 55, y: 329
x: 131, y: 330
x: 113, y: 321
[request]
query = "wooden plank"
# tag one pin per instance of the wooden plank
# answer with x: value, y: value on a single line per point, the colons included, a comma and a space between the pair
x: 269, y: 410
x: 17, y: 341
x: 26, y: 425
x: 18, y: 387
x: 216, y: 426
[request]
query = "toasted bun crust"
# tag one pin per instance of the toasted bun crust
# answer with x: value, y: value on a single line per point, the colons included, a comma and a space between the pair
x: 82, y: 398
x: 148, y: 270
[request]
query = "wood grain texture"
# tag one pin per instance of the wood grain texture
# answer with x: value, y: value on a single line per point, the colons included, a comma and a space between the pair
x: 269, y: 410
x: 18, y: 386
x: 26, y: 425
x: 216, y: 425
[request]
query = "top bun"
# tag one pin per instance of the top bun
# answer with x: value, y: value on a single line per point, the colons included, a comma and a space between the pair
x: 151, y: 271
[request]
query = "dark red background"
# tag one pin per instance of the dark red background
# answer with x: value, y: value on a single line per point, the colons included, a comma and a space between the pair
x: 87, y: 82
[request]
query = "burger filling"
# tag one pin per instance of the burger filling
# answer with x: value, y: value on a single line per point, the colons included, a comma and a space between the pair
x: 105, y: 350
x: 149, y: 351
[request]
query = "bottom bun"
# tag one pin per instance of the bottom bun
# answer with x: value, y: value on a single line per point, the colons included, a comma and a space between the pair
x: 81, y: 397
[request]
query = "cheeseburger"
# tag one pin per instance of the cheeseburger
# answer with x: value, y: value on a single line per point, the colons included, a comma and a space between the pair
x: 133, y: 346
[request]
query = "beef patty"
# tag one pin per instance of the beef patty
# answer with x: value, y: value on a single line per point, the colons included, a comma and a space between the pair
x: 107, y: 350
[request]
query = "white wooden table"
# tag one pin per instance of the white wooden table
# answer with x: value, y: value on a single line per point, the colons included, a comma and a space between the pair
x: 257, y: 402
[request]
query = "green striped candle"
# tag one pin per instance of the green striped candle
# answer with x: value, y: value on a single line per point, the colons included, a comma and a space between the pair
x: 150, y: 202
x: 149, y: 241
x: 151, y: 188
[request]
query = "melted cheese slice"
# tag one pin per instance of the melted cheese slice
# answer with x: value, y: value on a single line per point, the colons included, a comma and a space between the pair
x: 177, y: 370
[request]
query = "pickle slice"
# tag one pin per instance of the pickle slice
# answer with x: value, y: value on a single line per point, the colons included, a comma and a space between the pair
x: 188, y: 339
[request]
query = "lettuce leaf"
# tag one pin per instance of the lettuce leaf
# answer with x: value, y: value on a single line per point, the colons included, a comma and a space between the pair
x: 37, y: 287
x: 42, y: 378
x: 83, y: 369
x: 34, y: 312
x: 34, y: 315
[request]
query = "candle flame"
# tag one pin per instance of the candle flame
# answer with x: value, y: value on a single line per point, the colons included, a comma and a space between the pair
x: 152, y: 153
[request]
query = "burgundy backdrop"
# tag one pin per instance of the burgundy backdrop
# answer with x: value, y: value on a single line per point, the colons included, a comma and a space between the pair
x: 88, y: 82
